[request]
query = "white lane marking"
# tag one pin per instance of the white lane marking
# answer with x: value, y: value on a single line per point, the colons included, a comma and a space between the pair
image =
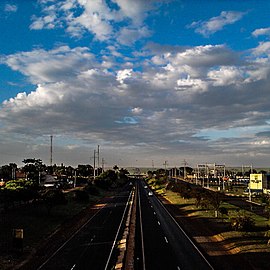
x: 158, y: 223
x: 73, y: 267
x: 166, y: 239
x: 178, y: 268
x: 155, y: 213
x: 92, y: 238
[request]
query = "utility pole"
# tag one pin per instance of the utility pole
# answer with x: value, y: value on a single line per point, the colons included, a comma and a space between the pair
x: 103, y: 164
x: 185, y: 171
x: 165, y: 165
x: 98, y: 151
x: 75, y: 178
x: 51, y: 150
x: 94, y: 164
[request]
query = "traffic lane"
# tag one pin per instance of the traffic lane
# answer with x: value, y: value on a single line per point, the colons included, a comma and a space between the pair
x: 92, y: 245
x: 138, y: 249
x: 158, y: 252
x: 96, y: 252
x: 188, y: 255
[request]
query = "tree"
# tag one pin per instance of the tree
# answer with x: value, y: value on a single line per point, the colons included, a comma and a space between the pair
x: 106, y: 179
x: 150, y: 174
x: 215, y: 200
x: 122, y: 176
x: 20, y: 190
x: 242, y: 222
x: 85, y: 170
x: 8, y: 172
x: 188, y: 170
x: 33, y: 167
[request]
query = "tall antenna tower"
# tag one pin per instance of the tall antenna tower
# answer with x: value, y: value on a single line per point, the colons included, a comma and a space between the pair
x: 51, y: 151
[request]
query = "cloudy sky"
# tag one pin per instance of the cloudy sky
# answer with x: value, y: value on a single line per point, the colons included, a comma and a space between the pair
x: 147, y: 80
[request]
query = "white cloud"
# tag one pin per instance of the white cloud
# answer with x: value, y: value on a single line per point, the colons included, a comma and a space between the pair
x: 188, y: 83
x: 123, y: 74
x: 182, y: 92
x: 262, y: 49
x: 261, y: 32
x: 10, y: 8
x: 49, y: 66
x: 135, y: 10
x: 226, y: 76
x: 137, y: 110
x: 215, y: 24
x: 46, y: 22
x: 128, y: 36
x: 98, y: 18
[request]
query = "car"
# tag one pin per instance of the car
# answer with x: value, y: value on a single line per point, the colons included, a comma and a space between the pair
x: 145, y: 186
x: 150, y: 194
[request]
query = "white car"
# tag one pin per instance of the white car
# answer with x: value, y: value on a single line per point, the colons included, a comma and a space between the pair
x: 150, y: 193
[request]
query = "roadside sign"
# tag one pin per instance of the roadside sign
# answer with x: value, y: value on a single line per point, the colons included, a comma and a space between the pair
x: 18, y: 238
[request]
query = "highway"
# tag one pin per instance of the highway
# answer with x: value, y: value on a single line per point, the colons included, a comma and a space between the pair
x: 92, y: 247
x: 160, y: 241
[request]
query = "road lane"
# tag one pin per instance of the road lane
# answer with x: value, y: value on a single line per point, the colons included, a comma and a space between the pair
x: 162, y: 232
x: 91, y: 246
x: 158, y: 253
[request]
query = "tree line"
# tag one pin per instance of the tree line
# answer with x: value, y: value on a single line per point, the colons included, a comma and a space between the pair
x: 23, y: 185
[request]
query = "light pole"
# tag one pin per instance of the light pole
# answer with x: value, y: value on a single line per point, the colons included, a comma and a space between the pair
x: 75, y: 178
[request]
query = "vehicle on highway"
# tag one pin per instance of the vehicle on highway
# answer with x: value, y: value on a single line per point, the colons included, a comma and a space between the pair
x: 150, y: 193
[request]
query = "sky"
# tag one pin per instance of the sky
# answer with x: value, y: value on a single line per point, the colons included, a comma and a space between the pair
x: 148, y: 81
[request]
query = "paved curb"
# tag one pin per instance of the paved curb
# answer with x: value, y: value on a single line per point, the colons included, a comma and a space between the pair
x: 127, y: 244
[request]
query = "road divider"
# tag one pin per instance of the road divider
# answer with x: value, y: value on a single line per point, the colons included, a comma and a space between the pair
x: 126, y: 245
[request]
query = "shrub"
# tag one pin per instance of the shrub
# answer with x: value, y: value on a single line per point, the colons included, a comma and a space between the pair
x: 223, y: 211
x: 242, y: 222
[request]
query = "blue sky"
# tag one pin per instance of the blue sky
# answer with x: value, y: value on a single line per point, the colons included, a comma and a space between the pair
x: 146, y: 80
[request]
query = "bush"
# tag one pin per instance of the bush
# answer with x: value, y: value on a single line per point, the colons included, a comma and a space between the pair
x: 242, y: 222
x: 223, y: 211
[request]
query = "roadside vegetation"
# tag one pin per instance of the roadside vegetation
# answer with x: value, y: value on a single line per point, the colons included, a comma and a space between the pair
x: 239, y: 230
x: 40, y: 211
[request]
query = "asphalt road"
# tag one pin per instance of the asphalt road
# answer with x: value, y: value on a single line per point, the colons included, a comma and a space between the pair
x: 91, y: 247
x: 161, y: 243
